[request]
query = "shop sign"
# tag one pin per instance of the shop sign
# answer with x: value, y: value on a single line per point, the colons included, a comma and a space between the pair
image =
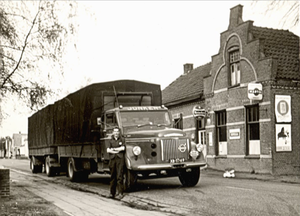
x: 255, y: 91
x: 283, y: 137
x: 234, y: 133
x: 210, y: 139
x: 199, y: 112
x: 283, y: 108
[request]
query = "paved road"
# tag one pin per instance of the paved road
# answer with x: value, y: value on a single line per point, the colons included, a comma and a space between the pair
x: 214, y: 195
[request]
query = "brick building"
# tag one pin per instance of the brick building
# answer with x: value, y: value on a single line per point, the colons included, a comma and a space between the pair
x: 20, y: 145
x: 183, y: 95
x: 250, y: 92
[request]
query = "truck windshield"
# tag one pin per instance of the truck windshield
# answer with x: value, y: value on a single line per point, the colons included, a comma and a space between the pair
x: 143, y: 118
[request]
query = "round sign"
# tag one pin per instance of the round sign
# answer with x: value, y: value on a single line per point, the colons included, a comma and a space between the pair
x: 282, y: 107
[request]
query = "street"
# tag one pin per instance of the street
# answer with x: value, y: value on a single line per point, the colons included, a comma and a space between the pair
x: 213, y: 195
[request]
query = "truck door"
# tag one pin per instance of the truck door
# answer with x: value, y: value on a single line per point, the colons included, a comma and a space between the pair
x: 110, y: 121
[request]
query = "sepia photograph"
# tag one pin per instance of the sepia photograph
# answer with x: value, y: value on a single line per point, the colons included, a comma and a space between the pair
x: 149, y: 108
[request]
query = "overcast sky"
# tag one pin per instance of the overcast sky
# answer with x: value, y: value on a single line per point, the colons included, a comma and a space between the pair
x: 149, y: 41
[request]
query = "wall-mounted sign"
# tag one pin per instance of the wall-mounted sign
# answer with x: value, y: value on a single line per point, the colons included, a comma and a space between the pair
x: 210, y: 139
x: 234, y: 133
x: 255, y: 91
x: 198, y: 111
x: 283, y: 137
x: 283, y: 108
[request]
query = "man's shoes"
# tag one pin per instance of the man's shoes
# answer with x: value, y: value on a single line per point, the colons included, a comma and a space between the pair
x: 119, y: 196
x: 111, y: 196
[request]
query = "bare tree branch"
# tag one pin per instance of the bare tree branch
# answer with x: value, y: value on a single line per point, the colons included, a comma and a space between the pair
x: 23, y: 50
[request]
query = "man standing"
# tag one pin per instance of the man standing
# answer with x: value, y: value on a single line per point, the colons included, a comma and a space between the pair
x: 116, y: 152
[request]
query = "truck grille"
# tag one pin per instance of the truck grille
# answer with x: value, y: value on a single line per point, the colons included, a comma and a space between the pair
x: 175, y: 149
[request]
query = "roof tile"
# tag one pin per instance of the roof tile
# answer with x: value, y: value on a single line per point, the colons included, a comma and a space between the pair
x: 284, y: 46
x: 187, y: 85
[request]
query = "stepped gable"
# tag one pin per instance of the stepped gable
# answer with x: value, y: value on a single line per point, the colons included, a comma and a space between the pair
x: 283, y: 46
x: 186, y: 87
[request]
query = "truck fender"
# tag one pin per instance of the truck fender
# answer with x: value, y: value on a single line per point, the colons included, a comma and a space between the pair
x: 52, y: 162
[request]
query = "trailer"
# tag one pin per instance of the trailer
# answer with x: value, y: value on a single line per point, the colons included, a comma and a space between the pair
x: 72, y: 135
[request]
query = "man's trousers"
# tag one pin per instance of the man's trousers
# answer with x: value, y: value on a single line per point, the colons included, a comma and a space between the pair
x: 116, y: 166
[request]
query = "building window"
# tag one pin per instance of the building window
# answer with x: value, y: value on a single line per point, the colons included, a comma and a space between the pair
x: 235, y: 73
x: 253, y: 134
x: 221, y: 120
x: 178, y: 122
x: 201, y: 131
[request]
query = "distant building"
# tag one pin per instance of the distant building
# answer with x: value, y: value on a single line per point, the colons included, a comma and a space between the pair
x: 6, y: 148
x: 20, y: 145
x: 250, y: 95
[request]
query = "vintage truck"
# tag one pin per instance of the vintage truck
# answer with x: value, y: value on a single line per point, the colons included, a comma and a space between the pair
x: 72, y: 135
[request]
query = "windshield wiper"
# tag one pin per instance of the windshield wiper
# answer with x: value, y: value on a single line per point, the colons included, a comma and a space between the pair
x: 142, y: 125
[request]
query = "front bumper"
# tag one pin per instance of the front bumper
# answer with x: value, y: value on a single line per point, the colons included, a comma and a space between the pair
x: 167, y: 166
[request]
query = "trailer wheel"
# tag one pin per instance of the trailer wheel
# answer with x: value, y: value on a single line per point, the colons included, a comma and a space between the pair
x: 189, y: 179
x: 35, y: 168
x: 50, y: 171
x: 72, y: 173
x: 130, y: 179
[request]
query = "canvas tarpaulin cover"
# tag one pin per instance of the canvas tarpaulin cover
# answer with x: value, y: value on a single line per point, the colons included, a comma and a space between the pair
x: 73, y: 119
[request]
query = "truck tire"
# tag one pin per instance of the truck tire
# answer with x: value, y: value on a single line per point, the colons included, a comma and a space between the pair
x: 35, y: 168
x: 50, y: 171
x: 72, y: 173
x: 130, y: 179
x: 189, y: 179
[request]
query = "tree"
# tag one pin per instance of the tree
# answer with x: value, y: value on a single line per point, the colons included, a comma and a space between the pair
x: 34, y: 36
x: 291, y: 16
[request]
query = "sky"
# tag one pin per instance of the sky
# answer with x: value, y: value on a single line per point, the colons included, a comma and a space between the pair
x: 148, y: 41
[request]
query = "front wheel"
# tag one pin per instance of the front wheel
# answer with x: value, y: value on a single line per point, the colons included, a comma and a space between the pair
x: 130, y: 179
x: 189, y: 179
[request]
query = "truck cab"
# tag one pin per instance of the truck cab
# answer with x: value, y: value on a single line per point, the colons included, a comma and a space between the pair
x: 153, y: 147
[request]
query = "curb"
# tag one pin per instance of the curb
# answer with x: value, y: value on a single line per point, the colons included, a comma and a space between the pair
x: 292, y: 179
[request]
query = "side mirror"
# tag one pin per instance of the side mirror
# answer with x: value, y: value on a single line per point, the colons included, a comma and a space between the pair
x: 99, y: 122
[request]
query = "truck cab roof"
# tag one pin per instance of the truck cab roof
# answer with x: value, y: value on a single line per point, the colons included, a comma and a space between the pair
x: 138, y: 108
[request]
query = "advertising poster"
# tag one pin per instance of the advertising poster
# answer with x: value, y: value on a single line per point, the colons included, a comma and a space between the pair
x: 283, y: 137
x: 283, y: 108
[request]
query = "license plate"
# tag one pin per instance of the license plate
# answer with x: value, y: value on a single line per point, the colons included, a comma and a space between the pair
x: 176, y: 160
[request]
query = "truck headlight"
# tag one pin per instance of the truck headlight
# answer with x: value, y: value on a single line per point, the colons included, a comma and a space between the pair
x: 136, y: 150
x: 199, y: 147
x: 194, y: 154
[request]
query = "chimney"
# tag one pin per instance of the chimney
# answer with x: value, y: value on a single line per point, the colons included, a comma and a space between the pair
x: 187, y: 68
x: 236, y: 16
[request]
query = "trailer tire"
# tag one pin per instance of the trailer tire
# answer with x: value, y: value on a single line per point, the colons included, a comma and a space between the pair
x: 130, y: 179
x: 189, y: 179
x: 72, y: 173
x: 50, y: 171
x: 35, y: 168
